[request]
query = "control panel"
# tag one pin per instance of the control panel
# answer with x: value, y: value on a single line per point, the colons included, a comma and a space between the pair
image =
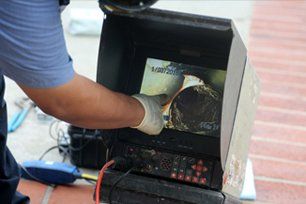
x: 173, y: 166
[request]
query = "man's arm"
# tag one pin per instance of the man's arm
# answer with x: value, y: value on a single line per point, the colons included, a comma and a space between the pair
x: 85, y: 103
x: 33, y: 53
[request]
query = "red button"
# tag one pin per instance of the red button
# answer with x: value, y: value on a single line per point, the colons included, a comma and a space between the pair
x: 205, y: 169
x: 198, y: 173
x: 200, y: 162
x: 203, y: 180
x: 199, y: 168
x: 194, y: 167
x: 173, y: 175
x: 181, y: 176
x: 195, y: 179
x: 188, y: 178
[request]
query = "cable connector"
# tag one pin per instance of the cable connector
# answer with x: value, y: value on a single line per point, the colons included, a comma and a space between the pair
x: 122, y: 163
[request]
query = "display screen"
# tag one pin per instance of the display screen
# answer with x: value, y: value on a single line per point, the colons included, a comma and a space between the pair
x: 195, y: 95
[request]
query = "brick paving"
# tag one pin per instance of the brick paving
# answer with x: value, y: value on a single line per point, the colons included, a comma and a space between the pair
x: 70, y: 194
x: 278, y: 146
x: 34, y: 190
x: 77, y: 194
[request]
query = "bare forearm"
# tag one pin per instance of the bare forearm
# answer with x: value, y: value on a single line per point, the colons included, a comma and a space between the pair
x: 88, y: 104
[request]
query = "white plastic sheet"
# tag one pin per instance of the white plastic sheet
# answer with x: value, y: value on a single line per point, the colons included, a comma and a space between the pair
x: 248, y: 191
x: 85, y: 21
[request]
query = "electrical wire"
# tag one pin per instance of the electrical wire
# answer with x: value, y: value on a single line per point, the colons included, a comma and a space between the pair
x: 53, y: 124
x: 58, y: 132
x: 100, y: 179
x: 92, y: 179
x: 47, y: 151
x: 118, y: 180
x: 89, y: 177
x: 90, y: 182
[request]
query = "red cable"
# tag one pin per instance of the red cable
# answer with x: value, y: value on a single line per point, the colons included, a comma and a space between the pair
x: 100, y: 178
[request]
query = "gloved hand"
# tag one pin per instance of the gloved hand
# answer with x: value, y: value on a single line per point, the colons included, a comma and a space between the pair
x: 152, y: 123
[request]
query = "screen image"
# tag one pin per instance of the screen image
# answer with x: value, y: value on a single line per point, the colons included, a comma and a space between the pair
x: 195, y: 95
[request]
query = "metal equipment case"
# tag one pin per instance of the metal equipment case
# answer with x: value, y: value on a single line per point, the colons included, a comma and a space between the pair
x: 127, y: 40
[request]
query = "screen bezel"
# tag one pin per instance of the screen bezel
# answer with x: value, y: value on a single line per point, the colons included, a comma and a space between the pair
x: 169, y: 139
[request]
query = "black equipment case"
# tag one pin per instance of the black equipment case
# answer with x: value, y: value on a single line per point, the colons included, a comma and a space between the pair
x: 87, y: 148
x: 181, y: 167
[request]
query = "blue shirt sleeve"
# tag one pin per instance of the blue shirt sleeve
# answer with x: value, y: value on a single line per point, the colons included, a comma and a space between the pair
x: 32, y: 45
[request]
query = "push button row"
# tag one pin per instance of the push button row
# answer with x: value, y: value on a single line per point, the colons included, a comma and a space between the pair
x: 193, y: 179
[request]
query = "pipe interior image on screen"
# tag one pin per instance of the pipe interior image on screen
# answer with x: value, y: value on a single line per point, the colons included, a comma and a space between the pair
x: 195, y: 94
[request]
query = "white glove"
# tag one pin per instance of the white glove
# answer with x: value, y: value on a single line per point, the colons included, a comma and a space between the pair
x: 152, y: 123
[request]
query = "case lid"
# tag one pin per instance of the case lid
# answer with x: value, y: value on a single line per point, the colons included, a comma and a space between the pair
x: 233, y: 82
x: 214, y: 34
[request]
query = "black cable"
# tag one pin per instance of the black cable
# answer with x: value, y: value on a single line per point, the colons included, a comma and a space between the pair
x: 90, y: 181
x: 63, y: 143
x: 116, y: 183
x: 47, y: 151
x: 83, y: 145
x: 64, y: 154
x: 62, y: 149
x: 60, y: 135
x: 80, y: 148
